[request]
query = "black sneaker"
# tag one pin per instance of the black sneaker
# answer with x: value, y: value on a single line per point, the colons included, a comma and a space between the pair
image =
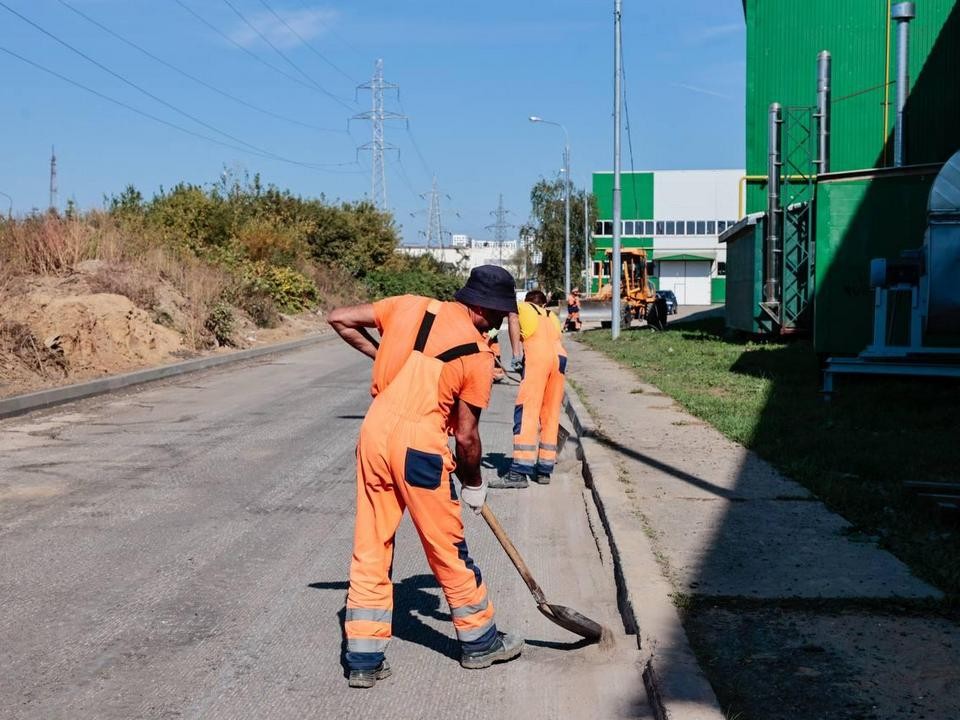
x: 505, y: 647
x: 542, y: 479
x: 512, y: 479
x: 368, y: 678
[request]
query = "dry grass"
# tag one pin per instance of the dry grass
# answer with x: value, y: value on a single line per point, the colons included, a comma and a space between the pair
x: 336, y: 286
x: 18, y: 340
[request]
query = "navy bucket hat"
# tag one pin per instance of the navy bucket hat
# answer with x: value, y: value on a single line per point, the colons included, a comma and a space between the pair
x: 491, y: 287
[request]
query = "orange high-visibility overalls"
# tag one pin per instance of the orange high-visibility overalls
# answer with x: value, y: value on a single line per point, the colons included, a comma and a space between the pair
x: 404, y: 462
x: 539, y: 399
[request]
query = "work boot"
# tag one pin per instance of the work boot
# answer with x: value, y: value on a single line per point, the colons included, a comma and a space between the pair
x: 512, y: 479
x: 542, y: 479
x: 505, y: 647
x: 368, y: 678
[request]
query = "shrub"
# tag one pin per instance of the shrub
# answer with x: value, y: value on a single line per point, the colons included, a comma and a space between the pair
x: 220, y: 323
x: 261, y: 308
x: 290, y: 290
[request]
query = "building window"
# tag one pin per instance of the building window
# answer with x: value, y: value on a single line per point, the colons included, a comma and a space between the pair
x: 598, y: 227
x: 651, y: 270
x: 711, y: 227
x: 701, y: 227
x: 721, y: 226
x: 691, y: 227
x: 721, y: 269
x: 597, y: 269
x: 628, y: 227
x: 649, y: 227
x: 608, y: 227
x: 670, y: 227
x: 659, y: 227
x: 679, y: 227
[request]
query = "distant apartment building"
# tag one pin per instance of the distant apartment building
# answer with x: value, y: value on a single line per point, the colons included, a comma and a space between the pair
x: 676, y: 216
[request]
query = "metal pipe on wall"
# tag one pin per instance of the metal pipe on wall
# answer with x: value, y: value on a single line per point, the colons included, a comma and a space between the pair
x: 773, y: 257
x: 823, y: 112
x: 902, y: 13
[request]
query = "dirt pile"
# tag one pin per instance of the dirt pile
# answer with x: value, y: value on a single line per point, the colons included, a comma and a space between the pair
x: 104, y: 318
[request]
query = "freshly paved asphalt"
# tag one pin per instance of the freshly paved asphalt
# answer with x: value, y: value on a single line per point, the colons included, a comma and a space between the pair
x: 181, y: 550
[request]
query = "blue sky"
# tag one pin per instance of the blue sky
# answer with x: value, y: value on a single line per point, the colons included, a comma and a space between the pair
x: 469, y: 74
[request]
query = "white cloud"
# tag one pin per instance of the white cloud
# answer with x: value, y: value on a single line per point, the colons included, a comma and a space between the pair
x: 307, y: 23
x: 701, y: 91
x: 712, y: 32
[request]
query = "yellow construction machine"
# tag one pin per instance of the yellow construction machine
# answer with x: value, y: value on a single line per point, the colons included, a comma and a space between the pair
x: 636, y: 291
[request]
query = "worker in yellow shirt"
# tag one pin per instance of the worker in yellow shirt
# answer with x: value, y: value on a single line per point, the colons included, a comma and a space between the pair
x: 536, y: 415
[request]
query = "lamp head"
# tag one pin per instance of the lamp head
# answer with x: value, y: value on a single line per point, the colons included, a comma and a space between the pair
x: 535, y: 118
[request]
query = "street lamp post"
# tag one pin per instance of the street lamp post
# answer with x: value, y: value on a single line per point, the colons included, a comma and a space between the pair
x: 10, y: 205
x: 566, y: 200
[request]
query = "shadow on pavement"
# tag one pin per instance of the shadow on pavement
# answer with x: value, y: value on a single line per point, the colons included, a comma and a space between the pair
x: 410, y: 601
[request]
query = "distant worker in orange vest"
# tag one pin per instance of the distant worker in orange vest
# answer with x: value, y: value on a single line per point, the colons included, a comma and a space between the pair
x: 536, y: 415
x: 432, y: 374
x: 573, y: 310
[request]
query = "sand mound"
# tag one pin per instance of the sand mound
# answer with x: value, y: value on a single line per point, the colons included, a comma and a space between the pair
x: 98, y: 333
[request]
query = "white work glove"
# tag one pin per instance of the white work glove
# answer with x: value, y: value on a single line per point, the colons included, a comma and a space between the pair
x: 474, y: 497
x: 516, y: 365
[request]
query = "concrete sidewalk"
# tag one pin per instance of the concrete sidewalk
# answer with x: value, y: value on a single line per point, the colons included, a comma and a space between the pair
x: 791, y: 613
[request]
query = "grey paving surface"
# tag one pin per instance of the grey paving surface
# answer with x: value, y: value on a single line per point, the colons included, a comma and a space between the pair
x: 725, y: 522
x: 182, y: 550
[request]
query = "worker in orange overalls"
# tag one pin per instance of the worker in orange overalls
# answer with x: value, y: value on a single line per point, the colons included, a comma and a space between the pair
x: 573, y: 310
x: 432, y: 375
x: 536, y: 416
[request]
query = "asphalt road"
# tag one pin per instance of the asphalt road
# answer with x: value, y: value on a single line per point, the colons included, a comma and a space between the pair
x: 181, y: 551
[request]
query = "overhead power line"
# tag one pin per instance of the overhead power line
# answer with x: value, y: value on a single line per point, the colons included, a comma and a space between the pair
x: 280, y: 71
x: 308, y: 44
x: 194, y: 78
x: 132, y: 84
x: 626, y: 112
x: 180, y: 128
x: 283, y: 55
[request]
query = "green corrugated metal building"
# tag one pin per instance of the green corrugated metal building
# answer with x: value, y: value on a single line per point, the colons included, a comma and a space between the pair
x: 862, y: 208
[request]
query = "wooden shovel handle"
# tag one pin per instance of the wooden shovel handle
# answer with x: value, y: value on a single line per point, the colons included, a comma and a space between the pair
x: 513, y: 554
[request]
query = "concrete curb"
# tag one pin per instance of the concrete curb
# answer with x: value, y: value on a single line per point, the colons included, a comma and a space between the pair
x: 19, y: 404
x: 676, y: 687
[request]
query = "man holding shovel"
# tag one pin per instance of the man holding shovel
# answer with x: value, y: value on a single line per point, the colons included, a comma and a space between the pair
x: 432, y: 374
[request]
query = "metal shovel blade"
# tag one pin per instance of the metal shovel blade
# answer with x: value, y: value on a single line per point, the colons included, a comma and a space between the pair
x: 572, y: 620
x: 563, y: 616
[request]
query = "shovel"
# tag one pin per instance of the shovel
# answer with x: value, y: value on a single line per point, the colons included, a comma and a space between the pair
x: 562, y: 616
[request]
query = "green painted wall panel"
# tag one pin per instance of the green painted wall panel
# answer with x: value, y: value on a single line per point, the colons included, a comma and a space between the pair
x: 636, y: 195
x: 606, y: 243
x: 744, y: 267
x: 783, y: 40
x: 858, y: 220
x: 718, y: 290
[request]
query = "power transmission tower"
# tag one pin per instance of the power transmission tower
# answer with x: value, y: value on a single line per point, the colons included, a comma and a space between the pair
x: 500, y: 226
x: 53, y: 178
x: 434, y: 232
x: 377, y: 115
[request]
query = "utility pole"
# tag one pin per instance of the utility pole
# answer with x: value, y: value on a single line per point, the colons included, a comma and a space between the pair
x: 587, y: 285
x: 377, y: 116
x: 500, y: 226
x: 615, y: 260
x: 53, y: 178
